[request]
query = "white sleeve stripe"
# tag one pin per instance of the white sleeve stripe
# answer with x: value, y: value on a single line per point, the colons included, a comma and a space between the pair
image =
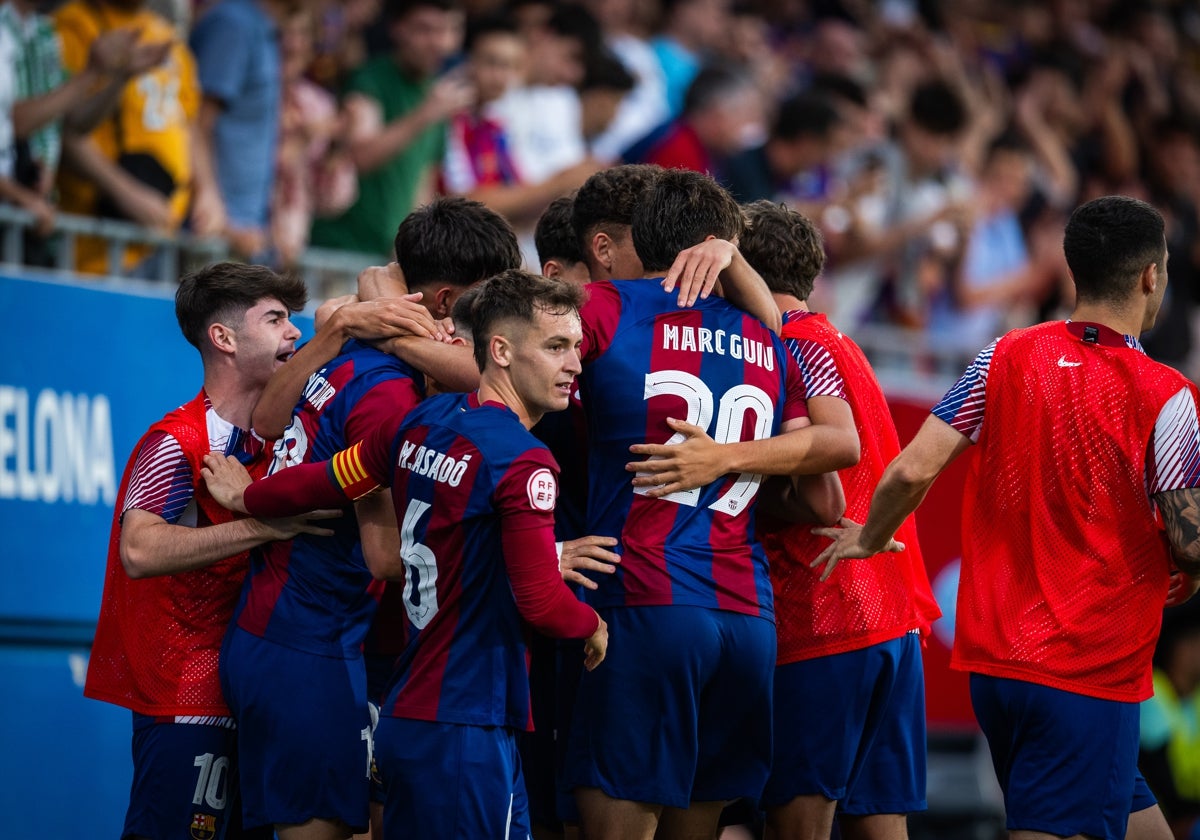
x: 820, y: 372
x: 1176, y: 456
x: 154, y: 474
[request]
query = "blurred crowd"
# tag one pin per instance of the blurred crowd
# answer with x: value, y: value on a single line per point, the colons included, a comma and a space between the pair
x: 938, y: 145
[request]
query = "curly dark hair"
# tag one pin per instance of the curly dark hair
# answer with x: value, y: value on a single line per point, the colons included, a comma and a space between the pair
x: 455, y: 241
x: 783, y: 246
x: 605, y: 203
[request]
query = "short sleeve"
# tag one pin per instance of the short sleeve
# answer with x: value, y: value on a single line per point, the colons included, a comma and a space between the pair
x: 222, y: 45
x: 600, y: 316
x: 817, y: 368
x: 1173, y: 462
x: 962, y: 406
x: 76, y: 32
x: 161, y: 481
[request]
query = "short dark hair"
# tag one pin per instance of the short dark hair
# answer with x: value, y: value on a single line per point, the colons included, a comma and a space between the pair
x: 805, y: 115
x: 604, y: 71
x: 713, y: 85
x: 455, y: 241
x: 396, y: 9
x: 1109, y: 242
x: 493, y: 24
x: 222, y: 292
x: 607, y: 199
x: 516, y: 295
x: 554, y: 235
x: 681, y: 210
x: 937, y: 108
x: 460, y: 313
x: 783, y: 246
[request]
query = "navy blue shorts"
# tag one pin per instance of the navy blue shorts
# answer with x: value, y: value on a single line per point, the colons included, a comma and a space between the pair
x: 1067, y: 763
x: 679, y: 711
x: 851, y: 727
x: 185, y: 782
x: 304, y: 732
x: 444, y: 781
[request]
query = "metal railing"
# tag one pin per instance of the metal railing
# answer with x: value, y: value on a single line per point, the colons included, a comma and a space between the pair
x: 326, y: 272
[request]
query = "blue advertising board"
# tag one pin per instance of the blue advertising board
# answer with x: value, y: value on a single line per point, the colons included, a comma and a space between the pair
x: 85, y: 368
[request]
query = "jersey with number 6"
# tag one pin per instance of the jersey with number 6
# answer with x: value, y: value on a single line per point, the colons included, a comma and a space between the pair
x: 646, y: 360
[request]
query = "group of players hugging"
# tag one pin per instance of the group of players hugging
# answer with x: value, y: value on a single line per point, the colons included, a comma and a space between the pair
x: 331, y: 572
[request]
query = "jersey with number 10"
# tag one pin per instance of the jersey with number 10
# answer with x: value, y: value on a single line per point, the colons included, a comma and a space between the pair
x: 646, y: 360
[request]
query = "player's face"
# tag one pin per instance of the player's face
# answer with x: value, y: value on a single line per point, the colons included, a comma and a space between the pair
x: 265, y: 340
x: 545, y: 361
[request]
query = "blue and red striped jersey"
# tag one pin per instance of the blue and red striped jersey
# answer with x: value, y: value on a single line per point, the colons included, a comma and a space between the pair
x: 315, y: 593
x: 470, y: 485
x: 646, y: 360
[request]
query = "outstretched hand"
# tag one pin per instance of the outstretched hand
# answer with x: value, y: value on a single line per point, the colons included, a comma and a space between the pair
x: 693, y: 461
x: 696, y: 269
x: 847, y: 545
x: 587, y: 554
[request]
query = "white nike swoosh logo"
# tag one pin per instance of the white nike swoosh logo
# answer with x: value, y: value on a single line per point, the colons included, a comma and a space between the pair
x: 1062, y: 362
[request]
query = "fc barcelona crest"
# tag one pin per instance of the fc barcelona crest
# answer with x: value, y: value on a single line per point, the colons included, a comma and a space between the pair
x: 204, y: 826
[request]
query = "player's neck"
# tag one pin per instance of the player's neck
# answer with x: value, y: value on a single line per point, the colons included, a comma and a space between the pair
x: 1127, y: 320
x: 789, y: 303
x: 232, y: 400
x: 501, y: 390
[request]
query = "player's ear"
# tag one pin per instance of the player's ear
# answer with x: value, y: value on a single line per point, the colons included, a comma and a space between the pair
x: 602, y: 246
x: 222, y: 338
x: 1149, y: 279
x: 443, y: 302
x: 552, y: 269
x: 500, y: 349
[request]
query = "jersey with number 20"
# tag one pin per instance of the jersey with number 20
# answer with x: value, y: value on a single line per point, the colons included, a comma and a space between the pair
x: 646, y: 360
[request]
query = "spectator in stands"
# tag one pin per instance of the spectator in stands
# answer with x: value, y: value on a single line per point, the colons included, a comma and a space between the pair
x: 314, y: 175
x: 793, y: 164
x: 396, y: 106
x: 722, y: 111
x: 1169, y: 756
x: 1000, y: 278
x: 237, y: 57
x: 645, y: 106
x: 11, y: 190
x: 605, y: 89
x: 690, y: 30
x: 137, y: 164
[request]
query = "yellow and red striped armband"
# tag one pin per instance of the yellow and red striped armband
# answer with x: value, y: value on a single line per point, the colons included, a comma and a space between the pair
x: 347, y: 471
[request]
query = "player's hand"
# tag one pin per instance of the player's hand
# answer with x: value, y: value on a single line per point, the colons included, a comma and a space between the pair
x: 287, y: 527
x: 587, y: 554
x: 1183, y: 587
x: 386, y: 317
x: 697, y: 269
x: 227, y: 480
x: 847, y: 545
x: 672, y: 467
x: 595, y: 647
x: 376, y: 281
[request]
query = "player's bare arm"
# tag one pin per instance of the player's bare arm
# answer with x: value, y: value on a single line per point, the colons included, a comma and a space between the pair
x: 368, y: 320
x: 151, y: 546
x: 379, y: 535
x: 452, y: 365
x: 800, y: 449
x: 587, y: 554
x: 901, y: 490
x: 697, y: 269
x: 1181, y: 515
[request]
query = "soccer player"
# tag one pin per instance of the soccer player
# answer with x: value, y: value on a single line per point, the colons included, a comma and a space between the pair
x: 307, y: 606
x: 557, y: 245
x: 1082, y: 443
x: 687, y: 692
x: 176, y: 559
x: 849, y: 652
x: 474, y: 493
x: 602, y: 215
